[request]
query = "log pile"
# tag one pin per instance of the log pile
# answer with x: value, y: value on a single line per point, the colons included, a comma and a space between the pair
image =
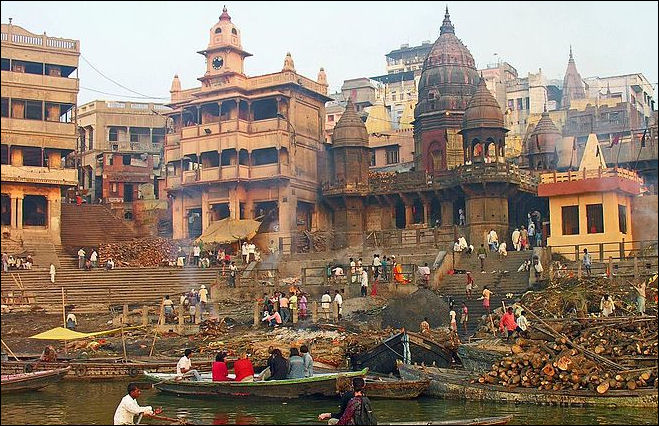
x: 139, y: 252
x: 317, y: 241
x: 213, y: 327
x: 557, y: 367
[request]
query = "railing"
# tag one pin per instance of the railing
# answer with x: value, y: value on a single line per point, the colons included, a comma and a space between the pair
x: 571, y: 176
x: 42, y: 40
x: 322, y: 275
x: 603, y: 251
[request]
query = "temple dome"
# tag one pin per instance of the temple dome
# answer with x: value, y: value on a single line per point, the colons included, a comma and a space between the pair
x: 449, y: 75
x: 483, y: 110
x: 350, y: 130
x: 545, y: 136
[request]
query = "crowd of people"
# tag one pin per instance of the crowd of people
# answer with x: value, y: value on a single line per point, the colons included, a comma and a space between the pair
x: 11, y: 262
x: 195, y: 302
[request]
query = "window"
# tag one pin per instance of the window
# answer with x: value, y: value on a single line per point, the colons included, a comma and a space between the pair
x: 570, y: 220
x: 5, y: 107
x: 35, y: 210
x: 372, y: 163
x: 218, y: 30
x: 622, y: 218
x: 114, y: 135
x: 134, y: 137
x: 519, y: 104
x: 392, y: 155
x: 126, y: 160
x: 594, y: 218
x: 5, y: 64
x: 113, y: 188
x: 330, y: 118
x: 527, y: 103
x: 33, y: 110
x: 233, y: 31
x: 511, y: 104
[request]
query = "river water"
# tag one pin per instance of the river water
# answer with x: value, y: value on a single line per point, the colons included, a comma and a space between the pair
x: 78, y: 402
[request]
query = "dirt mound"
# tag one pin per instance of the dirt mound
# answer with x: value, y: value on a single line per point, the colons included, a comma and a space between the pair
x: 409, y: 311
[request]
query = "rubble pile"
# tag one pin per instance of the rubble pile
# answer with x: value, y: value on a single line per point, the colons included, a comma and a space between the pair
x: 409, y: 311
x: 537, y: 365
x: 148, y: 251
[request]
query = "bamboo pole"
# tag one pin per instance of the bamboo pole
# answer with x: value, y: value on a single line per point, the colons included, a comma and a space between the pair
x: 123, y: 342
x: 155, y: 335
x: 10, y: 352
x: 64, y: 317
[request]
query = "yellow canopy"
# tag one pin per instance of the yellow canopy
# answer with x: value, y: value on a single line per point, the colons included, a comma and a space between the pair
x: 61, y: 333
x: 229, y: 230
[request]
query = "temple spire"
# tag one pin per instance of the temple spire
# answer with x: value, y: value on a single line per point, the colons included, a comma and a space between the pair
x: 447, y: 26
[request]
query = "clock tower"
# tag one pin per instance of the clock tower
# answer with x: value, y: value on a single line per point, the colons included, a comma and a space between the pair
x: 224, y: 54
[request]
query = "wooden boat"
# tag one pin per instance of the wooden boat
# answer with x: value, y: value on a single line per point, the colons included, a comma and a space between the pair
x: 382, y: 358
x: 107, y: 368
x: 455, y: 384
x: 502, y: 420
x: 392, y: 388
x: 22, y: 382
x: 325, y: 384
x: 479, y: 356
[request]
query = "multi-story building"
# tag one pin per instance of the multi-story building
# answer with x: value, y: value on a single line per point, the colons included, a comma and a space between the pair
x: 39, y: 94
x: 407, y: 58
x: 121, y: 149
x: 245, y: 147
x: 632, y: 88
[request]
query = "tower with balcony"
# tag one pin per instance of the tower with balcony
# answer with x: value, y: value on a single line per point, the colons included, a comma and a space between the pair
x: 39, y: 93
x: 244, y: 147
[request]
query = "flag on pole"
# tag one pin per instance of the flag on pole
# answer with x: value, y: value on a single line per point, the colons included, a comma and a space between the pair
x: 598, y: 151
x: 643, y: 138
x: 615, y: 140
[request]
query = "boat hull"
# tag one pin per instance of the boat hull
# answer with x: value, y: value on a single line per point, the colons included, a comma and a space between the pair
x: 455, y: 384
x: 502, y: 420
x: 382, y: 358
x: 395, y: 389
x: 25, y: 382
x: 327, y: 385
x: 96, y: 370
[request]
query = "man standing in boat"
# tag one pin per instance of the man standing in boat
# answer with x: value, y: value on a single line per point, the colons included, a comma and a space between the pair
x: 128, y: 407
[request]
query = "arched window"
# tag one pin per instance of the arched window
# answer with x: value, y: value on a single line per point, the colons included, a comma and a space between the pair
x: 233, y: 31
x: 218, y: 30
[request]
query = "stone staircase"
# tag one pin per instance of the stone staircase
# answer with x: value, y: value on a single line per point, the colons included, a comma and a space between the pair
x: 90, y: 225
x: 495, y: 278
x: 101, y: 287
x: 43, y: 252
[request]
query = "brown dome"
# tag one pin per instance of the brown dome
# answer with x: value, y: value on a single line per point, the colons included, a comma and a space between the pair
x: 483, y: 110
x: 449, y: 76
x: 350, y: 130
x: 545, y: 137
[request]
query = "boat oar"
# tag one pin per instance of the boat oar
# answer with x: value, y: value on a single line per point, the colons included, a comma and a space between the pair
x: 168, y: 419
x: 153, y: 385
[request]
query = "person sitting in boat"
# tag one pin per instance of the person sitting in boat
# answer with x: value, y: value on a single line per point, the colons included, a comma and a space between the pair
x: 295, y: 365
x: 244, y: 369
x: 49, y: 354
x: 128, y: 407
x: 184, y: 367
x: 308, y: 361
x: 278, y: 366
x: 220, y: 370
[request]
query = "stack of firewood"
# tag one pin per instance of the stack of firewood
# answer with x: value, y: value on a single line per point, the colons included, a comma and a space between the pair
x: 139, y: 252
x: 556, y: 367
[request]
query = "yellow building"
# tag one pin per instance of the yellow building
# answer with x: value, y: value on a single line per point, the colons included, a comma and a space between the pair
x: 589, y: 207
x: 39, y: 93
x: 245, y: 147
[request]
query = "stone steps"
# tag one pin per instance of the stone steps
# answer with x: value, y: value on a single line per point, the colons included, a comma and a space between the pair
x: 90, y: 226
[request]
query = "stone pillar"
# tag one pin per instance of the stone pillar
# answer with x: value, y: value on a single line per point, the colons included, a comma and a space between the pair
x: 49, y: 214
x: 14, y: 211
x: 294, y: 315
x: 409, y: 216
x: 205, y: 217
x: 257, y: 314
x: 19, y: 212
x: 181, y: 315
x: 446, y: 213
x: 426, y: 214
x: 161, y: 315
x: 335, y: 311
x: 145, y: 315
x: 54, y: 160
x: 314, y: 311
x: 124, y: 315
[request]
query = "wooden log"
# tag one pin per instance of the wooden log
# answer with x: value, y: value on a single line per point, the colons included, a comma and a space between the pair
x: 257, y: 314
x: 314, y: 311
x: 145, y: 315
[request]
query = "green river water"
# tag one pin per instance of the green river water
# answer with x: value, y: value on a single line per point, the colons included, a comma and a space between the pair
x: 77, y: 402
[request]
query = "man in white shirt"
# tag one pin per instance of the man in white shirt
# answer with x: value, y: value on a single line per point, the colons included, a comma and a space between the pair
x: 244, y: 251
x: 94, y: 258
x: 364, y: 282
x: 376, y: 266
x: 251, y: 252
x: 522, y: 324
x: 81, y: 258
x: 203, y: 300
x: 339, y: 302
x: 128, y: 407
x: 184, y: 367
x: 71, y: 321
x: 325, y: 304
x: 196, y: 252
x: 424, y: 271
x: 516, y: 237
x: 353, y: 270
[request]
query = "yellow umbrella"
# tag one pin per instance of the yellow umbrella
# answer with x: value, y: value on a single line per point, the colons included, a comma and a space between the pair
x: 61, y: 333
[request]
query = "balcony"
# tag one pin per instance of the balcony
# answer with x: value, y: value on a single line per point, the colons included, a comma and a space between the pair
x: 265, y: 171
x: 61, y: 130
x: 52, y: 83
x: 43, y: 175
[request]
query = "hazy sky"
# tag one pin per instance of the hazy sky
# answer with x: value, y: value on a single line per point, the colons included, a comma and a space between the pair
x: 143, y: 44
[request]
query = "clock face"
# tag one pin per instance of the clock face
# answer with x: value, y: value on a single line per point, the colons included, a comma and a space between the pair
x: 217, y: 62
